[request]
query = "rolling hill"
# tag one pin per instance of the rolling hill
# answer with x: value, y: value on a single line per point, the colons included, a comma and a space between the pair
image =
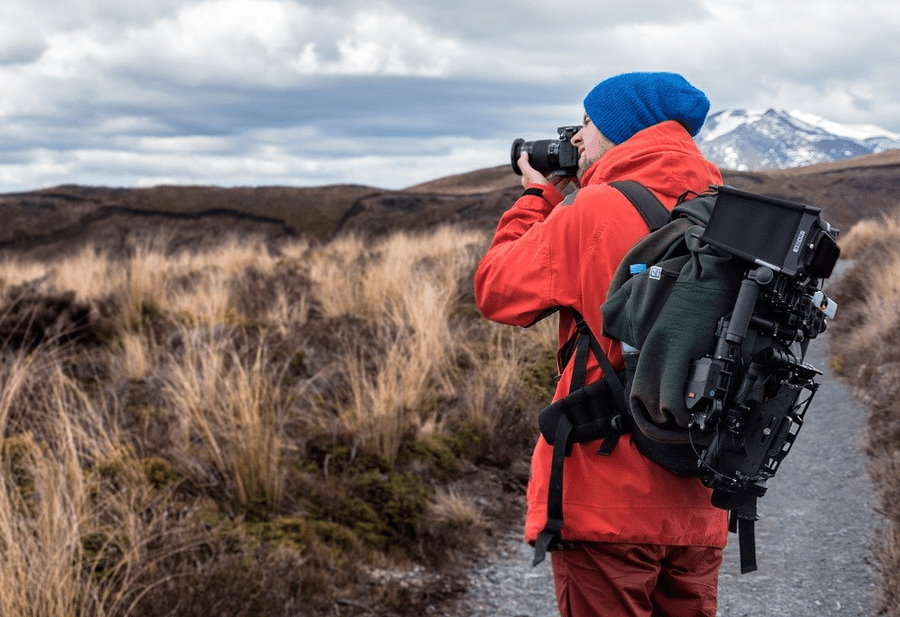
x: 57, y: 219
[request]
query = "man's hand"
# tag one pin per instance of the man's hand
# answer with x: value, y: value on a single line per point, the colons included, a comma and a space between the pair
x: 530, y: 175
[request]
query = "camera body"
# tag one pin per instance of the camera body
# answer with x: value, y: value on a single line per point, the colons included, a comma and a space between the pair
x: 556, y: 157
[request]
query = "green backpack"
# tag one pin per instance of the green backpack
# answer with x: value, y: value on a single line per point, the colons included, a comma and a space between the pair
x: 665, y: 300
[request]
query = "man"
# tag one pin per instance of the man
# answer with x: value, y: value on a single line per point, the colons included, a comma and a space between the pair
x: 637, y: 539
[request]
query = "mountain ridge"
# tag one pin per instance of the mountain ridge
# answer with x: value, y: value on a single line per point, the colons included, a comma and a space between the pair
x: 746, y: 140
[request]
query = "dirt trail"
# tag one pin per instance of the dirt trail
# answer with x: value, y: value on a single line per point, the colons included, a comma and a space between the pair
x: 816, y: 524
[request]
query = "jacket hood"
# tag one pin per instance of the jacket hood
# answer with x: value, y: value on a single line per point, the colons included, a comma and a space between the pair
x: 656, y: 157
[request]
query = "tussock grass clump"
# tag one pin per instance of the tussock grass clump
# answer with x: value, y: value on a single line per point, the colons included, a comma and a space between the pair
x: 869, y: 233
x: 254, y: 429
x: 232, y: 412
x: 866, y: 351
x: 78, y: 519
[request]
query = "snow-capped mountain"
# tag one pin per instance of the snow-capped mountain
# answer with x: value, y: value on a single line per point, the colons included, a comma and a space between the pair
x: 776, y: 139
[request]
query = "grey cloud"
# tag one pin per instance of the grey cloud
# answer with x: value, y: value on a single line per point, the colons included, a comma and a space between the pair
x: 542, y: 25
x: 21, y: 51
x: 133, y: 110
x: 62, y: 15
x: 335, y: 106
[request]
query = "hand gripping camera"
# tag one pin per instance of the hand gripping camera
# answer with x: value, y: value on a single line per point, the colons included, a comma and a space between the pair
x: 549, y: 156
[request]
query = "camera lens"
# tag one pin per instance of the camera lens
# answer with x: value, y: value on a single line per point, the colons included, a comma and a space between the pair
x: 515, y: 153
x: 543, y: 154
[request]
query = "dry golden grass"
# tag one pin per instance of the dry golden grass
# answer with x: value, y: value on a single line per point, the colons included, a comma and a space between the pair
x: 193, y: 425
x: 74, y: 519
x: 287, y: 314
x: 409, y: 286
x: 13, y: 271
x: 91, y: 275
x: 206, y: 302
x: 494, y: 378
x: 17, y: 369
x: 450, y: 506
x: 235, y: 407
x: 866, y: 350
x: 135, y: 357
x: 337, y: 273
x: 867, y: 232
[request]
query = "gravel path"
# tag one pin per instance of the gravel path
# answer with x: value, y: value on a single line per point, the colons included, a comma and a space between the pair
x: 813, y: 537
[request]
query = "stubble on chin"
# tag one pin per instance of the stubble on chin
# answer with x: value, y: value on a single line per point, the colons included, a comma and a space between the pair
x: 584, y: 166
x: 606, y: 146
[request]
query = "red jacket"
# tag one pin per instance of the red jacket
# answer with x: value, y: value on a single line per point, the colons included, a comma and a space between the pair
x: 545, y: 256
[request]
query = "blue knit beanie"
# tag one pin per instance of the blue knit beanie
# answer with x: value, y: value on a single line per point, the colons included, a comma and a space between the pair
x: 625, y: 104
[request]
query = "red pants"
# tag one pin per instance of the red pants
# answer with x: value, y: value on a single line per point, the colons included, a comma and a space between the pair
x: 636, y: 580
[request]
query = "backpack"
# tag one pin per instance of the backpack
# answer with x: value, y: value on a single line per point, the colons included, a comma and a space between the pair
x: 715, y: 309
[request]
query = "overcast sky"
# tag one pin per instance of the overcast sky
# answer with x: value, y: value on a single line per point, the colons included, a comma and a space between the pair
x: 392, y: 93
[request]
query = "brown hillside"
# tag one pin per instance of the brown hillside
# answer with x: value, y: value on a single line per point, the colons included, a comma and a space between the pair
x: 48, y: 220
x: 52, y: 220
x: 479, y: 181
x: 862, y: 187
x: 847, y: 191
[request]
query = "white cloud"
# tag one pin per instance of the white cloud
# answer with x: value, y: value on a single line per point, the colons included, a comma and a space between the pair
x: 390, y: 44
x: 768, y: 54
x: 247, y: 42
x: 291, y: 158
x: 386, y: 92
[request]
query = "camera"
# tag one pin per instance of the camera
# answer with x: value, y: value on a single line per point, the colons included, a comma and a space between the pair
x: 755, y: 388
x: 549, y: 156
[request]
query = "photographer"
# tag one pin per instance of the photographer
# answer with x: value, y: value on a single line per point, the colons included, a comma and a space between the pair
x: 637, y: 539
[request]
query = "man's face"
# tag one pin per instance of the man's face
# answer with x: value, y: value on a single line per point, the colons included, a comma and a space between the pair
x: 591, y: 145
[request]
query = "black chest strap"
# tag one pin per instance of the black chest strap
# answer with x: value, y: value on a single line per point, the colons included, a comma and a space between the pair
x: 587, y: 413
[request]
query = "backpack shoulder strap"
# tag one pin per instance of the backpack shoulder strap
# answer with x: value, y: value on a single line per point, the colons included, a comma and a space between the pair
x: 645, y: 202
